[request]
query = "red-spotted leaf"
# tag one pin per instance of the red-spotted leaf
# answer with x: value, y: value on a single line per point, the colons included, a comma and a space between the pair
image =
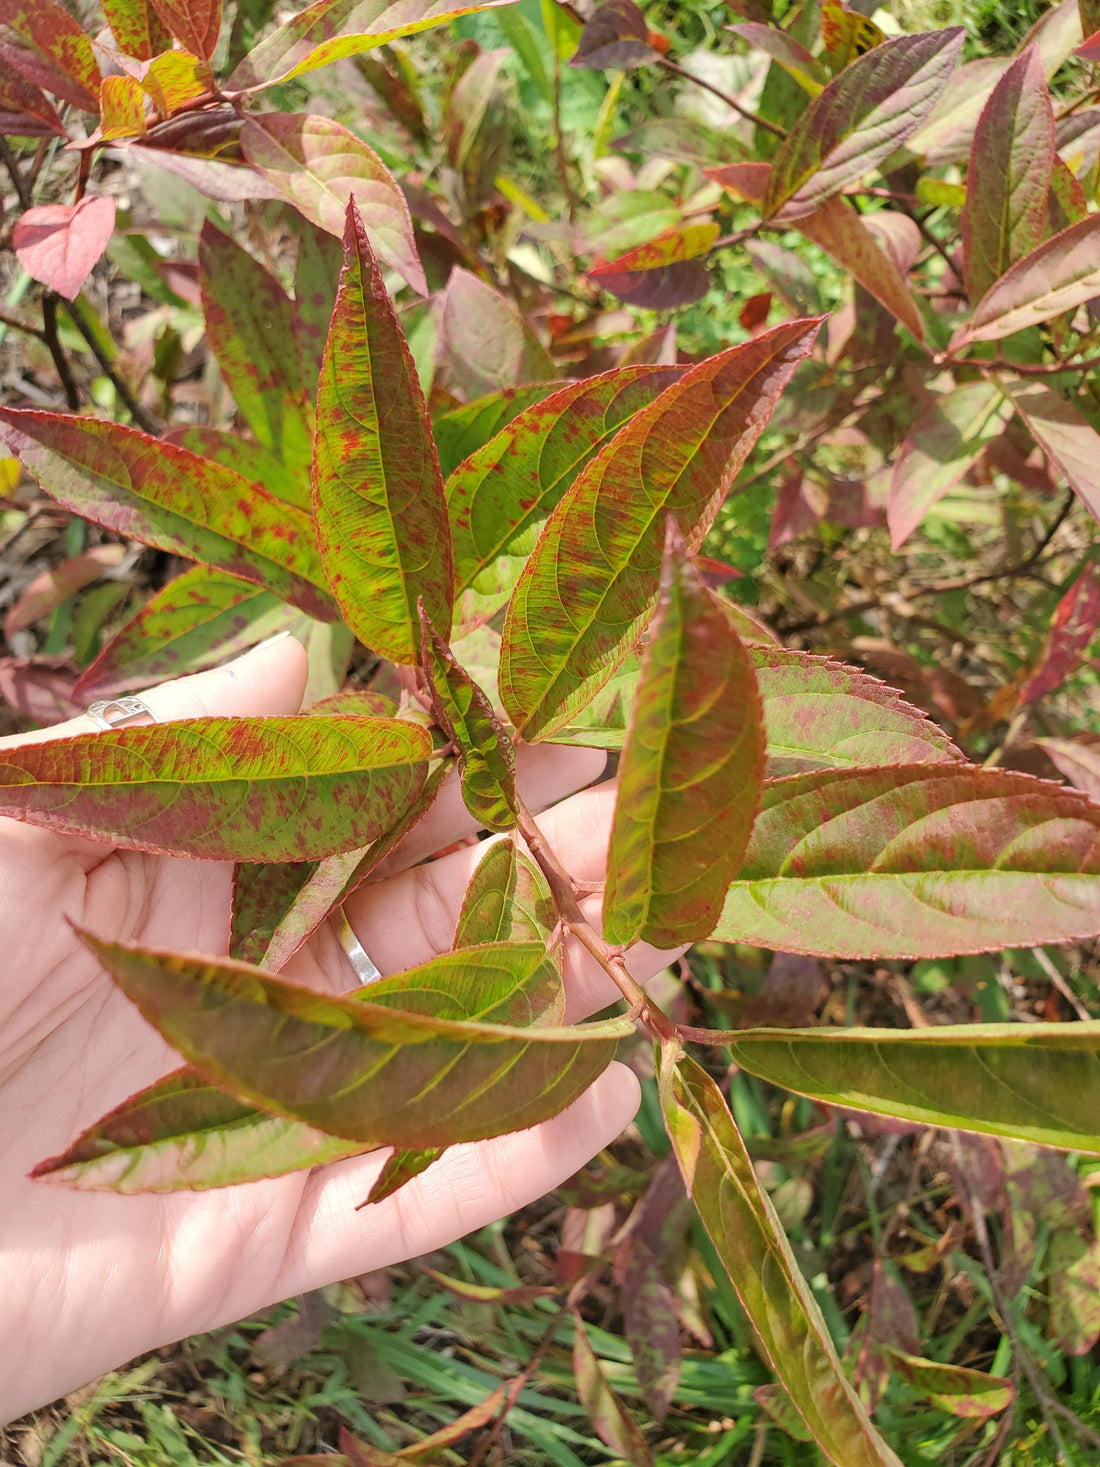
x: 250, y: 324
x: 123, y: 108
x: 200, y: 618
x: 463, y: 430
x: 953, y: 1388
x: 663, y: 273
x: 499, y: 499
x: 329, y: 30
x: 591, y: 582
x: 486, y: 758
x: 939, y: 450
x: 250, y: 459
x: 24, y: 111
x: 484, y: 343
x: 316, y: 277
x: 164, y: 496
x: 1073, y: 1261
x: 278, y: 906
x: 172, y: 80
x: 59, y: 243
x: 196, y: 24
x: 863, y: 115
x: 320, y: 167
x: 1078, y: 760
x: 377, y: 490
x: 1059, y: 275
x: 690, y: 772
x: 1008, y: 176
x: 59, y: 55
x: 507, y: 900
x: 616, y: 36
x: 378, y: 1072
x: 137, y: 28
x: 246, y: 789
x: 50, y: 588
x: 1072, y: 628
x: 742, y: 1222
x: 1067, y: 438
x: 851, y: 240
x: 610, y: 1419
x: 916, y: 861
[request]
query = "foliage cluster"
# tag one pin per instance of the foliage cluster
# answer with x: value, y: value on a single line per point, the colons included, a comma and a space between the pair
x: 479, y: 448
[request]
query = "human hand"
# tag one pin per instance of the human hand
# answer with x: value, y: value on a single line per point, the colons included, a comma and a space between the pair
x: 91, y: 1279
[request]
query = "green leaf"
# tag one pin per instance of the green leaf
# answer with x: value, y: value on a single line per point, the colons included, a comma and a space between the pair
x: 378, y: 494
x: 400, y: 1168
x: 320, y: 167
x: 485, y: 344
x: 916, y: 861
x: 738, y: 1214
x: 507, y: 900
x: 316, y: 277
x: 1067, y: 438
x: 863, y: 116
x: 610, y: 1419
x: 590, y: 585
x: 371, y: 1072
x: 278, y: 906
x: 166, y: 497
x: 137, y: 28
x: 239, y: 789
x: 1009, y: 174
x: 499, y: 499
x: 486, y: 758
x: 250, y: 325
x: 939, y: 451
x: 250, y: 459
x: 1061, y: 274
x: 332, y: 29
x: 690, y: 773
x: 1033, y: 1082
x: 465, y: 429
x: 953, y: 1388
x: 200, y: 618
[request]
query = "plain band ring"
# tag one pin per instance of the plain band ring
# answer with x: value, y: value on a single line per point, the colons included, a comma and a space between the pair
x: 365, y: 966
x: 117, y: 712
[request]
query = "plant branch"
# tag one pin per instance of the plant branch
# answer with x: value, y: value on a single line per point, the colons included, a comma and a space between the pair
x: 140, y: 415
x: 22, y: 188
x: 57, y: 352
x: 749, y: 116
x: 13, y: 323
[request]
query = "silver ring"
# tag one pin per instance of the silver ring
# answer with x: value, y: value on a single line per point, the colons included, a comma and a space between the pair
x: 117, y: 712
x: 364, y: 965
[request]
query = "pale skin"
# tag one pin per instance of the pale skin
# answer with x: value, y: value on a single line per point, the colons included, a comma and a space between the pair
x: 89, y: 1280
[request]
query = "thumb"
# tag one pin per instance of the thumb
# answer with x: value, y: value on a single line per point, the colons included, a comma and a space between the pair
x: 270, y: 679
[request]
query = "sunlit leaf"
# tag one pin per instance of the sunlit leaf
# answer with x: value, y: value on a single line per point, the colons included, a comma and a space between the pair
x: 486, y: 758
x: 591, y: 582
x: 375, y: 1072
x: 850, y: 239
x: 690, y: 772
x: 500, y: 497
x: 196, y: 24
x: 59, y: 55
x: 166, y: 497
x: 250, y: 325
x: 245, y: 789
x: 320, y: 167
x: 137, y: 28
x: 742, y: 1222
x: 172, y: 80
x: 916, y: 861
x: 378, y: 494
x: 863, y: 115
x: 58, y: 244
x: 1072, y: 628
x: 845, y: 34
x: 1060, y: 274
x: 939, y: 450
x: 662, y: 274
x: 401, y: 1168
x: 123, y: 107
x: 1008, y: 176
x: 1067, y: 438
x: 332, y: 29
x: 507, y: 900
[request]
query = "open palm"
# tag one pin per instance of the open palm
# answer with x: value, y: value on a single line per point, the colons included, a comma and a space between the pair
x: 91, y: 1279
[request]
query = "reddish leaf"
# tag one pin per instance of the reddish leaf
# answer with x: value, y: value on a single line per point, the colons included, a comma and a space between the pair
x: 662, y: 274
x: 939, y: 450
x: 837, y: 228
x: 1060, y: 274
x: 60, y: 54
x: 1078, y: 760
x: 1090, y: 48
x: 123, y: 108
x: 575, y: 616
x: 947, y: 134
x: 196, y: 24
x: 792, y: 56
x: 753, y: 315
x: 748, y: 181
x: 690, y: 771
x: 24, y: 111
x: 469, y: 103
x: 320, y: 167
x: 484, y: 342
x: 616, y: 36
x: 59, y: 243
x: 1008, y: 175
x: 916, y: 861
x: 138, y: 30
x: 863, y: 115
x: 377, y: 490
x: 164, y: 496
x: 223, y: 789
x: 789, y: 998
x: 612, y: 1422
x: 953, y: 1388
x: 1073, y: 1262
x: 1072, y: 628
x: 51, y: 587
x: 1069, y: 441
x: 39, y: 688
x: 228, y: 183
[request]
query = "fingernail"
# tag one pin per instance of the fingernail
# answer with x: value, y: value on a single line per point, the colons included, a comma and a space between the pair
x: 278, y: 637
